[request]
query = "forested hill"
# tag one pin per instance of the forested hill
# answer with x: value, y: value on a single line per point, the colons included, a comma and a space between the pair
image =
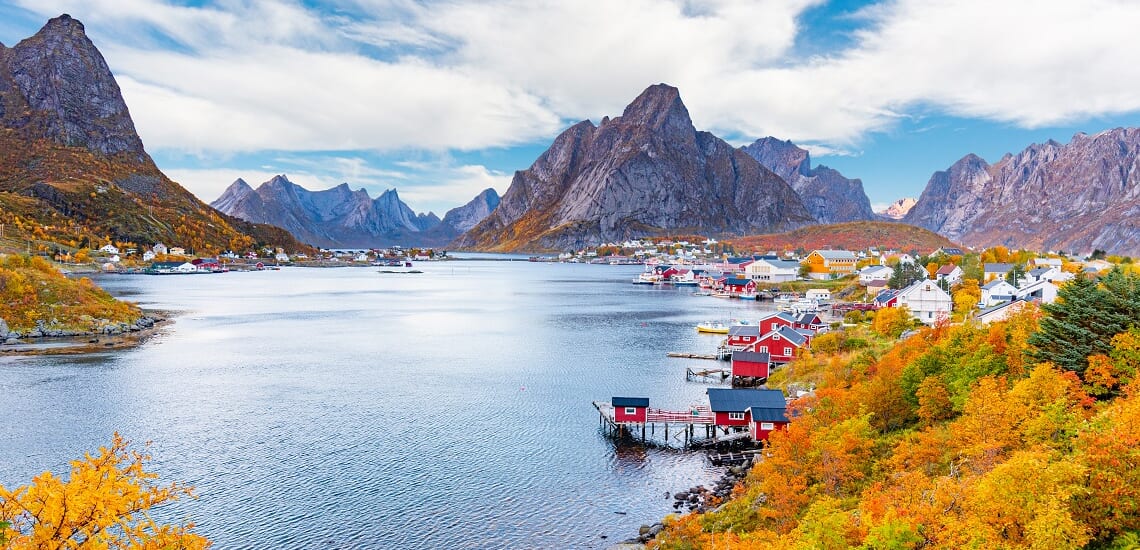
x: 1020, y: 434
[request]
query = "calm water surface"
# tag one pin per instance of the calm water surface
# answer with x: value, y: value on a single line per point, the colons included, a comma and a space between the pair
x: 345, y: 408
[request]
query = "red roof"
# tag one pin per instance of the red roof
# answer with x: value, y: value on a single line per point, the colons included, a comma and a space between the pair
x: 946, y: 269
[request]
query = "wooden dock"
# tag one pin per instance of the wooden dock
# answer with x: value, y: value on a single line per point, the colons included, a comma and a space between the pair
x: 684, y: 423
x: 730, y: 459
x: 683, y: 355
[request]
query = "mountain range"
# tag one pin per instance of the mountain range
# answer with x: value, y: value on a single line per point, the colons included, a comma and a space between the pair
x: 829, y: 197
x: 74, y: 165
x: 342, y: 218
x: 1075, y: 197
x: 647, y: 172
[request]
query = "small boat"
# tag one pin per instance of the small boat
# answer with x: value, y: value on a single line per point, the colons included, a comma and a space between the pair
x: 647, y: 278
x: 721, y: 295
x: 803, y: 305
x: 711, y: 327
x: 702, y: 293
x: 747, y: 295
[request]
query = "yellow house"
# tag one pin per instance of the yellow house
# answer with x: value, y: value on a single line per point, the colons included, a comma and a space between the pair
x: 826, y: 264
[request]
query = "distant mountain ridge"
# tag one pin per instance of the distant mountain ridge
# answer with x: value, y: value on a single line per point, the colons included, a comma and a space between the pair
x: 1076, y: 197
x: 899, y: 209
x: 71, y: 157
x: 829, y: 197
x: 342, y: 218
x: 646, y: 172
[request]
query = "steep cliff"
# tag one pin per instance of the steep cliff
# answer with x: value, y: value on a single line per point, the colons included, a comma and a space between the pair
x: 1077, y: 197
x: 830, y: 197
x: 646, y: 172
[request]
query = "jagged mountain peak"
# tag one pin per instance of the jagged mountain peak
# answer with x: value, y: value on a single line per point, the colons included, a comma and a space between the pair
x: 646, y: 172
x: 659, y: 106
x: 829, y: 196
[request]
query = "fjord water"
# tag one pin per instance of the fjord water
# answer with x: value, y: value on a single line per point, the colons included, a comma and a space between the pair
x: 346, y: 408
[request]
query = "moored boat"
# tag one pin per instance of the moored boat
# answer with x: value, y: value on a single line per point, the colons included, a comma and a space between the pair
x: 712, y: 327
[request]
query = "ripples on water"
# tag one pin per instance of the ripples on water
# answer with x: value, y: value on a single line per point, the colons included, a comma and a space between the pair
x: 344, y: 408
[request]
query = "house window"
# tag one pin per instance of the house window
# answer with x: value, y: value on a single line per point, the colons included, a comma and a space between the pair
x: 763, y: 349
x: 736, y: 416
x: 631, y: 410
x: 767, y: 426
x: 787, y: 351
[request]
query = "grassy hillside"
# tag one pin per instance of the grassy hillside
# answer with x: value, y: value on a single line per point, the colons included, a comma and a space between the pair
x: 847, y: 236
x: 965, y: 436
x: 34, y: 290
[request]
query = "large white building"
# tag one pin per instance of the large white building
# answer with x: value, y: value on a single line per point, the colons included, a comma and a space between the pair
x: 771, y: 271
x: 926, y: 301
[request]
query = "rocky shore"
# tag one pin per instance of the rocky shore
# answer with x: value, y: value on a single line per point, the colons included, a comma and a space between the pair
x: 102, y: 332
x: 699, y: 499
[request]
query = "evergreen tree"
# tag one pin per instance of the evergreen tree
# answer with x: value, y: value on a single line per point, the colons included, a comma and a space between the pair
x: 1014, y: 275
x: 906, y: 274
x: 1085, y: 318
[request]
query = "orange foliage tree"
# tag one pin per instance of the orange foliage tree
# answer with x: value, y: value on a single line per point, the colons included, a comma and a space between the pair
x: 103, y: 504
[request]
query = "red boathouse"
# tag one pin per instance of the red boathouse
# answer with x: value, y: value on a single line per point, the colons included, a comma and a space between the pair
x: 630, y: 409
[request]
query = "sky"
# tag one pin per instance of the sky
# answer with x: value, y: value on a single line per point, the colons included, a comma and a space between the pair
x: 442, y: 99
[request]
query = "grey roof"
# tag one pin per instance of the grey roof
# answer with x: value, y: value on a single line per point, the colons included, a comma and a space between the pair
x: 751, y: 357
x: 782, y: 264
x: 744, y: 330
x: 630, y: 402
x: 997, y: 268
x: 874, y: 268
x: 836, y: 254
x: 1039, y: 271
x: 791, y: 335
x: 766, y: 414
x: 993, y: 284
x: 807, y: 318
x: 740, y: 400
x: 950, y: 251
x: 737, y: 281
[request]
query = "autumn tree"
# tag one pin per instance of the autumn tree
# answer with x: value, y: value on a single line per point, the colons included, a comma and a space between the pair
x: 103, y: 504
x: 891, y: 321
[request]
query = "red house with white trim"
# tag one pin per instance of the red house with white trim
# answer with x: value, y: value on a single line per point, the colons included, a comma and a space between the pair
x: 781, y: 344
x: 630, y: 409
x: 742, y: 336
x: 809, y: 321
x: 759, y: 411
x: 776, y: 320
x: 739, y: 286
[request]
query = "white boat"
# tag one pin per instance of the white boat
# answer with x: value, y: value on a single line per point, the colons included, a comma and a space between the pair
x: 647, y: 278
x: 802, y: 305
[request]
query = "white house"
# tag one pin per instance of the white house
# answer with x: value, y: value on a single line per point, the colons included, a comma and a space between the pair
x: 177, y: 251
x: 926, y: 301
x: 999, y: 312
x: 1045, y: 273
x: 110, y: 249
x: 148, y: 255
x: 951, y: 273
x: 772, y: 271
x: 996, y: 291
x: 818, y: 294
x: 1044, y: 292
x: 1046, y: 262
x: 873, y: 273
x: 160, y: 248
x: 281, y: 257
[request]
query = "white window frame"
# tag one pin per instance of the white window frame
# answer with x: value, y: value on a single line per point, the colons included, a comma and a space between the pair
x: 631, y: 410
x: 768, y: 426
x: 763, y: 349
x: 788, y: 352
x: 736, y: 416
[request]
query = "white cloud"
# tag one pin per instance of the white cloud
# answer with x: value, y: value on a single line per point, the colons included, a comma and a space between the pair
x: 465, y: 74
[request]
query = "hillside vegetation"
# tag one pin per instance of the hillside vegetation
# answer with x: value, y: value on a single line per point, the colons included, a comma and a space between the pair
x: 966, y: 436
x: 33, y: 290
x: 847, y: 236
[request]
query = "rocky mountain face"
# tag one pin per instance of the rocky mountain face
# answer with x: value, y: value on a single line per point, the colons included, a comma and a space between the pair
x: 829, y: 197
x: 898, y: 209
x: 72, y: 158
x: 646, y: 172
x: 343, y: 218
x: 1076, y: 197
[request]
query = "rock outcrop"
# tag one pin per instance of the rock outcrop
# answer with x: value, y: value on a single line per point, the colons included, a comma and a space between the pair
x: 647, y: 172
x: 72, y: 158
x: 342, y: 218
x: 1076, y: 197
x: 828, y: 196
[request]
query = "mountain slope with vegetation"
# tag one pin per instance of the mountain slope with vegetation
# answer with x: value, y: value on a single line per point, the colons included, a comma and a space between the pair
x: 848, y: 236
x: 963, y: 436
x: 36, y: 294
x: 74, y: 169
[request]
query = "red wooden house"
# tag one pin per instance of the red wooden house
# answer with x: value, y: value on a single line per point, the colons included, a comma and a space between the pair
x: 809, y: 321
x: 742, y: 336
x: 736, y: 285
x: 750, y: 364
x: 781, y: 344
x: 759, y: 411
x: 630, y: 409
x: 776, y: 320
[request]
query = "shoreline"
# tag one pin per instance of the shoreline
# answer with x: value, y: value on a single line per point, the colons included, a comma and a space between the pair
x: 54, y: 341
